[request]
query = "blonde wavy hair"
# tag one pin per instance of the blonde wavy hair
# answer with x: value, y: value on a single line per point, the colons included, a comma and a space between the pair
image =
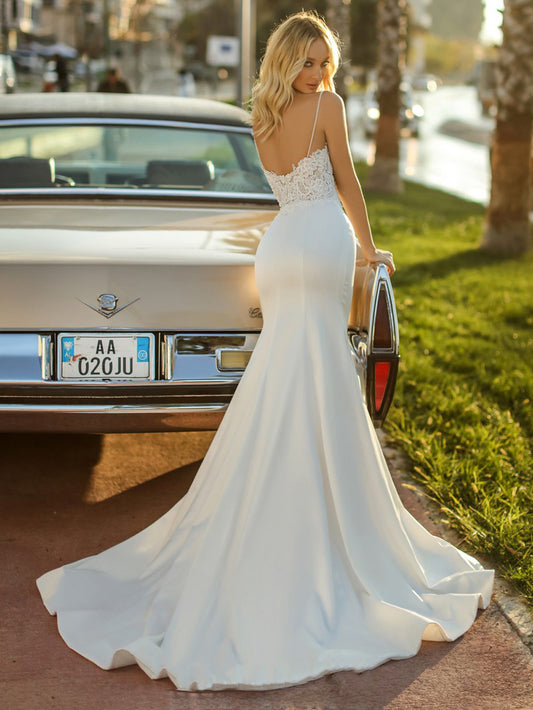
x: 286, y: 51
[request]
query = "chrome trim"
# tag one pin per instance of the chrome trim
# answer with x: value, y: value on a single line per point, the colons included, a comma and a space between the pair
x: 108, y: 419
x: 121, y: 384
x: 208, y: 342
x: 382, y: 280
x: 203, y: 366
x: 46, y: 351
x: 92, y: 119
x: 167, y: 348
x: 136, y: 408
x: 136, y: 192
x: 104, y: 310
x: 359, y: 344
x: 25, y: 358
x: 120, y: 329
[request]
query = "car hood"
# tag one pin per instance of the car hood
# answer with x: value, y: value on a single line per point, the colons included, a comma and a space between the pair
x: 170, y: 268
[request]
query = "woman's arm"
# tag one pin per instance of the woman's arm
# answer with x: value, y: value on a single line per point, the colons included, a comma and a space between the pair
x: 333, y: 120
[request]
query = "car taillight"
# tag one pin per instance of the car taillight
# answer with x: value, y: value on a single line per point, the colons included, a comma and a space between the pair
x: 381, y: 377
x: 382, y: 324
x: 375, y: 338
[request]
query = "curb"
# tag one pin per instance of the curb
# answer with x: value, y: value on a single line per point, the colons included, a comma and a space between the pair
x: 513, y: 607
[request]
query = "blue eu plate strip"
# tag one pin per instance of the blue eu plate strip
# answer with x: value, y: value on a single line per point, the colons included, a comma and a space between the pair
x: 143, y: 348
x: 67, y: 349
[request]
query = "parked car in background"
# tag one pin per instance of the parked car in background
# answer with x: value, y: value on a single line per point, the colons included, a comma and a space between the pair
x: 411, y: 112
x: 201, y: 71
x: 426, y: 82
x: 8, y: 76
x: 27, y: 61
x: 128, y: 229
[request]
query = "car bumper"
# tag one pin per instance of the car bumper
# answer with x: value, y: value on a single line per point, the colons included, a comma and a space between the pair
x: 191, y: 389
x: 54, y: 407
x: 104, y: 419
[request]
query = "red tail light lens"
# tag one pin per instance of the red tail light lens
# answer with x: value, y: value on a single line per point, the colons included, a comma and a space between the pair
x: 381, y: 377
x: 382, y: 328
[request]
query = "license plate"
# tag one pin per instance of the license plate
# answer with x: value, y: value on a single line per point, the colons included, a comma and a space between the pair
x: 114, y: 356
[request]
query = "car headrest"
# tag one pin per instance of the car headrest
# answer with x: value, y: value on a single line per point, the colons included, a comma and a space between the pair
x: 23, y: 171
x: 180, y: 173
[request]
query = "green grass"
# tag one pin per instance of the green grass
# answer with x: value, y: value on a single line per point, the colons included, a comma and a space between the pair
x: 463, y: 405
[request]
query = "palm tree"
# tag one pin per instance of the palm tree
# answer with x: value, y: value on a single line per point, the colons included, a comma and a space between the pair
x: 338, y: 18
x: 507, y: 229
x: 392, y: 18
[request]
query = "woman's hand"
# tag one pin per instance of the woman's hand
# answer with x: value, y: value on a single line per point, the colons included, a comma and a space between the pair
x: 380, y: 256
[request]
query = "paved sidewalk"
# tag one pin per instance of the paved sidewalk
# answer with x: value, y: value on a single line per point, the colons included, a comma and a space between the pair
x: 53, y: 509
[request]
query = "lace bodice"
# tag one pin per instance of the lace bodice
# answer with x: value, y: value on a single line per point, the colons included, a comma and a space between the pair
x: 310, y: 179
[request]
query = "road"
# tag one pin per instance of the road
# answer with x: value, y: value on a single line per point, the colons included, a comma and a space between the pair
x: 65, y: 497
x: 452, y: 152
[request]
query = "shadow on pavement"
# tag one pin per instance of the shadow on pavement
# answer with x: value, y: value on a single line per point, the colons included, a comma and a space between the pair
x: 80, y: 494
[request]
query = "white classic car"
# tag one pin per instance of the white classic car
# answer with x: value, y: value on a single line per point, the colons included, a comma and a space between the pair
x: 128, y: 228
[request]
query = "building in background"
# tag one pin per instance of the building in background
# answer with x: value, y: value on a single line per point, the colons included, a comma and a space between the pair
x: 58, y: 21
x: 18, y: 19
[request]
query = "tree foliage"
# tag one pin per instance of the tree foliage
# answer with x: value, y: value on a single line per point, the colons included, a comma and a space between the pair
x: 271, y: 12
x: 363, y: 35
x: 456, y: 19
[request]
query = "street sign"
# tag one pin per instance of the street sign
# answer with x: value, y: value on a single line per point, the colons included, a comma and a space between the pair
x: 222, y: 51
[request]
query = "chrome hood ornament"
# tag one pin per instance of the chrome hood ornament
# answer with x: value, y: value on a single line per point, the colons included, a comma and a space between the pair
x: 108, y: 304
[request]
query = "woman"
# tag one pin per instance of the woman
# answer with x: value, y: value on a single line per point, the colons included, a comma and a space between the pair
x: 291, y: 556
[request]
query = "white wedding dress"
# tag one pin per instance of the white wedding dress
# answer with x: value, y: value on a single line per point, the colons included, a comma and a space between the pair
x: 291, y: 556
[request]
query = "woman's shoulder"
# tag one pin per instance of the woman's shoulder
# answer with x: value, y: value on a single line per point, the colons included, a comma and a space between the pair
x: 332, y: 101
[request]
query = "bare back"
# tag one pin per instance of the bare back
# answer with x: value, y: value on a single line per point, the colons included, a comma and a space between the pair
x: 299, y: 136
x: 281, y: 152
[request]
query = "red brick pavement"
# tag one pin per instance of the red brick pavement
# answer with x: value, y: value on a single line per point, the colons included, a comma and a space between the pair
x: 56, y: 506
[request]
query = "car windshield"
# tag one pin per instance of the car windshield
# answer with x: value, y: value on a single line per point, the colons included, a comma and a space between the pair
x: 131, y: 157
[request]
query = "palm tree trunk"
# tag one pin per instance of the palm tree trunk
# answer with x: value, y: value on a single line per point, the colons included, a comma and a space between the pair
x: 338, y: 18
x: 384, y: 174
x: 507, y: 229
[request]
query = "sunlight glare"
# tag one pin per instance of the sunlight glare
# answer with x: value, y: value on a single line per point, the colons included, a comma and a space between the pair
x: 491, y: 30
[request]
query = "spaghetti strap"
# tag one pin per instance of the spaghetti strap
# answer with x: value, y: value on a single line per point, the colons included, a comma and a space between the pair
x: 314, y: 124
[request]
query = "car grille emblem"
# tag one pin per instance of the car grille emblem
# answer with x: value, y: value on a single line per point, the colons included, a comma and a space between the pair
x: 108, y: 304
